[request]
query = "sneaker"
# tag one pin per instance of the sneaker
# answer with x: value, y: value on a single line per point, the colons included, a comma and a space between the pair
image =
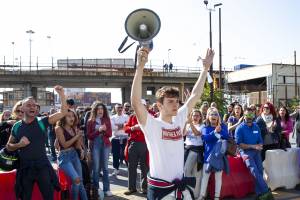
x: 130, y: 192
x: 116, y: 172
x: 108, y: 194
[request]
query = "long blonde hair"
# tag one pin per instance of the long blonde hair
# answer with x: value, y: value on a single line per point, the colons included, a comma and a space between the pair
x: 14, y: 113
x: 210, y: 110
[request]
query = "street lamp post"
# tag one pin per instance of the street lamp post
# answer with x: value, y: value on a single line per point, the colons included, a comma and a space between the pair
x: 50, y: 49
x: 13, y: 54
x: 211, y: 86
x: 30, y: 32
x: 220, y: 46
x: 169, y: 56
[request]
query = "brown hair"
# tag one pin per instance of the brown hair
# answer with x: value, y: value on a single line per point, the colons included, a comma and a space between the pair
x: 95, y: 109
x: 62, y: 122
x: 198, y: 111
x: 166, y: 91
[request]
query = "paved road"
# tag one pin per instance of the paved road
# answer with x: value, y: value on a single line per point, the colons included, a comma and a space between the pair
x: 119, y: 185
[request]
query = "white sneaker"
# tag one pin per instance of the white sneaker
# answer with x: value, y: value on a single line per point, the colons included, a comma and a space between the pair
x: 108, y: 194
x: 116, y: 172
x: 101, y: 194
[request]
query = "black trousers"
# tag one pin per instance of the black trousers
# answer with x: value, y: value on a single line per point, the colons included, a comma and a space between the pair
x: 52, y: 138
x: 137, y: 154
x: 43, y: 180
x: 118, y: 147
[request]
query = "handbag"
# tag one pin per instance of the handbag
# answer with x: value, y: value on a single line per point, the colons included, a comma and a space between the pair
x: 231, y: 147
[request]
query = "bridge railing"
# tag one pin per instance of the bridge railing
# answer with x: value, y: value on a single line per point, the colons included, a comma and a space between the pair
x: 104, y: 68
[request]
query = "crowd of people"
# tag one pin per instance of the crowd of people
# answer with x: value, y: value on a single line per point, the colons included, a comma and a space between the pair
x: 175, y: 145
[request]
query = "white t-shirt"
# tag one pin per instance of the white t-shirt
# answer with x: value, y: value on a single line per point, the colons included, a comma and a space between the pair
x: 98, y: 123
x: 165, y: 145
x: 191, y: 138
x: 116, y: 119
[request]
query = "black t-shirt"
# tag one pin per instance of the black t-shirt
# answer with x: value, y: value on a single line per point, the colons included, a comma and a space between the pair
x: 36, y: 149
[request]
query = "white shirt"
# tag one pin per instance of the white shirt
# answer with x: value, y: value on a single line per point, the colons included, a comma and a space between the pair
x: 165, y: 145
x: 118, y: 119
x: 98, y: 123
x: 191, y: 138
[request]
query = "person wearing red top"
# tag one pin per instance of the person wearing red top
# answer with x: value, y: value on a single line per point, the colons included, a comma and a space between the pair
x: 98, y: 132
x: 136, y: 153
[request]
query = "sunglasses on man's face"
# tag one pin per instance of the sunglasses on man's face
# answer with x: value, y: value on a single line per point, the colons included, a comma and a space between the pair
x: 249, y: 115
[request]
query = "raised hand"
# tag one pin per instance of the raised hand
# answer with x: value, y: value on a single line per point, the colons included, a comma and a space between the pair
x: 59, y: 89
x: 208, y: 60
x: 142, y: 57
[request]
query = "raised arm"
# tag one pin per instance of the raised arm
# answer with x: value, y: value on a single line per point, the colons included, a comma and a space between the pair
x: 198, y: 88
x: 64, y: 108
x: 136, y: 90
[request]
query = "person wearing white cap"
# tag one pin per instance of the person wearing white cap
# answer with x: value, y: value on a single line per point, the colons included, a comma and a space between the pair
x: 164, y: 135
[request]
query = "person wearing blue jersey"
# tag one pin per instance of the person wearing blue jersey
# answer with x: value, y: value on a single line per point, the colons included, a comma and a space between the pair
x: 248, y: 137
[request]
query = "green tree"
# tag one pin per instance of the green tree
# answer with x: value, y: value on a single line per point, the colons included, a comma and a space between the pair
x: 217, y: 97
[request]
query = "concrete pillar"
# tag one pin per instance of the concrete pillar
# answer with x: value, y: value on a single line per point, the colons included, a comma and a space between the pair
x: 181, y: 92
x: 27, y: 90
x: 34, y: 92
x: 126, y: 92
x: 30, y: 91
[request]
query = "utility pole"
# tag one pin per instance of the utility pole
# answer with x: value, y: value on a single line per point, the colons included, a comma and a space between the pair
x: 220, y: 51
x: 296, y: 89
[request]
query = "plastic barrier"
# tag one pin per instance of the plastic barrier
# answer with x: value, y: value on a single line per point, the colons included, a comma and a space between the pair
x: 282, y: 168
x: 7, y: 183
x: 237, y: 184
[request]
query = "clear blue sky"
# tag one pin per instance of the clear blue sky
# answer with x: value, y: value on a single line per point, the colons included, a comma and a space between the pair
x: 254, y: 31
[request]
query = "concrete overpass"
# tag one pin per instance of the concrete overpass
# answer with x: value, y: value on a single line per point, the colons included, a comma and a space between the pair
x: 84, y: 77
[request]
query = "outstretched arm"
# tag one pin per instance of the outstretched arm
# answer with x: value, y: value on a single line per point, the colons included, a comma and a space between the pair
x: 64, y: 110
x: 198, y: 88
x: 136, y: 90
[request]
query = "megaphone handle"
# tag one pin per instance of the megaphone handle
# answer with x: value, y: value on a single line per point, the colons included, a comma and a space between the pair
x: 122, y: 45
x: 135, y: 57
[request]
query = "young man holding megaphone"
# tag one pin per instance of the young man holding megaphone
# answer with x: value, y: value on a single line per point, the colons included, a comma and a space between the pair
x: 164, y: 135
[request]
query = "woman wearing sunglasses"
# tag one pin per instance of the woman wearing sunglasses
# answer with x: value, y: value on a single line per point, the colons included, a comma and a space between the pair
x: 270, y: 128
x: 212, y: 132
x: 6, y: 125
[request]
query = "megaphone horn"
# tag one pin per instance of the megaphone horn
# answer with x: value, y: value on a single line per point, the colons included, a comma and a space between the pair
x: 142, y: 25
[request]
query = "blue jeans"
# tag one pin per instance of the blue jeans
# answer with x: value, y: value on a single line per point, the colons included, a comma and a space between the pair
x: 70, y: 163
x: 99, y: 150
x: 254, y: 163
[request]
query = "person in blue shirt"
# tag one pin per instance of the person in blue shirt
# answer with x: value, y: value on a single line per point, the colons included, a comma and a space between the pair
x: 248, y: 137
x: 211, y: 133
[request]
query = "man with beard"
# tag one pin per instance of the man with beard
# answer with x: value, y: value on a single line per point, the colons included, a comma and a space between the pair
x: 28, y: 138
x: 248, y: 137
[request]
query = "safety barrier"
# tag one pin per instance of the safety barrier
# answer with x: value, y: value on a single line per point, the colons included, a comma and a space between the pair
x: 282, y: 168
x: 237, y: 184
x: 7, y: 183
